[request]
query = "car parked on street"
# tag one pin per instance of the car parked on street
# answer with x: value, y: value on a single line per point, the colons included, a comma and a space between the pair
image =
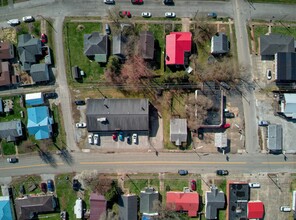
x: 183, y: 172
x: 81, y: 125
x: 229, y: 115
x: 193, y: 185
x: 128, y: 138
x: 12, y: 160
x: 96, y: 139
x: 168, y: 2
x: 50, y: 185
x: 121, y: 136
x: 110, y: 2
x: 146, y: 14
x: 212, y: 15
x: 170, y: 14
x: 114, y: 136
x: 263, y: 123
x: 43, y: 187
x: 222, y: 172
x: 79, y: 102
x: 13, y: 22
x: 285, y: 208
x: 90, y: 139
x: 44, y: 38
x: 28, y: 19
x: 254, y: 185
x: 268, y: 74
x: 125, y: 13
x: 137, y: 2
x: 135, y: 138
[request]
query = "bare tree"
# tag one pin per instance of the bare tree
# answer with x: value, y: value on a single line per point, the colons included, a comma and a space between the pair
x: 89, y: 179
x: 113, y: 15
x: 203, y: 31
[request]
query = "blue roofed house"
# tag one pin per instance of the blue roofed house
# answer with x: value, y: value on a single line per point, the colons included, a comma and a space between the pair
x: 29, y: 48
x: 96, y: 47
x: 34, y: 99
x: 39, y: 122
x: 6, y: 211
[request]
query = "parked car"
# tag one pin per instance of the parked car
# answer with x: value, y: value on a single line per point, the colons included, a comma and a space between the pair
x: 107, y: 29
x: 263, y: 123
x: 79, y: 102
x: 146, y: 14
x: 227, y: 125
x: 43, y: 187
x: 12, y: 160
x: 168, y: 2
x: 96, y: 139
x: 28, y: 19
x: 13, y: 22
x: 170, y: 14
x: 50, y: 95
x: 128, y: 138
x: 110, y: 2
x: 135, y: 138
x: 268, y: 74
x: 63, y: 215
x: 225, y: 85
x: 50, y: 186
x: 75, y: 185
x: 121, y: 136
x: 81, y: 125
x: 43, y: 38
x: 137, y: 2
x: 90, y: 139
x: 285, y: 208
x: 183, y: 172
x: 254, y: 185
x: 193, y: 185
x: 114, y: 136
x: 125, y: 13
x: 212, y: 15
x: 22, y: 189
x: 229, y: 115
x: 222, y: 172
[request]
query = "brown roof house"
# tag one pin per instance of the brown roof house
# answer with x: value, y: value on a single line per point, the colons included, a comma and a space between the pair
x: 98, y: 206
x: 6, y: 51
x: 29, y: 207
x: 147, y: 45
x: 6, y: 76
x: 96, y: 47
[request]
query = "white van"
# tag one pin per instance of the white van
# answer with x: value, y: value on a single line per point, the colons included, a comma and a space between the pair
x: 107, y: 29
x: 285, y: 209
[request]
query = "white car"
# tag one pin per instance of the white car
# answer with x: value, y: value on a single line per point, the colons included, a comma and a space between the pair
x: 285, y: 209
x: 146, y: 14
x: 254, y: 185
x: 109, y: 1
x: 28, y: 18
x: 90, y: 139
x: 96, y: 139
x: 268, y: 74
x: 170, y: 14
x: 13, y: 22
x: 135, y: 138
x: 81, y: 125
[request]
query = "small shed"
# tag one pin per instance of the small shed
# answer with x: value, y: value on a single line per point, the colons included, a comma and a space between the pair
x: 178, y: 131
x: 76, y: 73
x: 275, y: 138
x: 33, y: 99
x: 78, y: 208
x: 220, y: 140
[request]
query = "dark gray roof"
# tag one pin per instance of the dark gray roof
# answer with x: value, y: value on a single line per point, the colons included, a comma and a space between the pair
x: 95, y: 44
x: 178, y: 131
x: 285, y: 66
x: 76, y: 72
x: 10, y: 130
x: 215, y: 200
x: 28, y: 48
x: 120, y: 114
x: 25, y: 207
x: 274, y: 43
x: 147, y: 44
x: 148, y: 201
x: 275, y: 137
x: 238, y: 197
x: 117, y: 45
x: 128, y: 207
x: 219, y: 44
x: 39, y: 72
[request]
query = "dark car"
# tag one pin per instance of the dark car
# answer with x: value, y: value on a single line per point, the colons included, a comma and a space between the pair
x: 50, y: 186
x: 137, y: 2
x: 128, y: 138
x: 63, y: 215
x: 43, y: 38
x: 225, y: 85
x: 212, y: 15
x: 12, y: 160
x: 183, y: 172
x: 229, y: 115
x: 43, y: 187
x: 263, y: 123
x: 168, y: 2
x: 79, y: 102
x: 76, y: 185
x: 50, y: 95
x: 193, y: 185
x: 222, y: 172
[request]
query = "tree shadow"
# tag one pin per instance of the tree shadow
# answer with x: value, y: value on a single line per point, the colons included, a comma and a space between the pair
x: 65, y: 155
x: 48, y: 158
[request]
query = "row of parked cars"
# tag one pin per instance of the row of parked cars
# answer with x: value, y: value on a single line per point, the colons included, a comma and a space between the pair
x: 94, y: 138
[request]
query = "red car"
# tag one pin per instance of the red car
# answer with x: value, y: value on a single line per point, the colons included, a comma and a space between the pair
x: 125, y: 13
x: 227, y: 125
x: 137, y: 2
x: 193, y: 185
x: 114, y: 136
x: 43, y: 187
x: 43, y: 38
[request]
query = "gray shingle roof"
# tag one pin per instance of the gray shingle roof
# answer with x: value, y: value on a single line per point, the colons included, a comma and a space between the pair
x: 10, y: 130
x: 274, y: 43
x: 215, y: 200
x: 178, y: 131
x: 290, y: 105
x: 39, y: 72
x: 285, y: 66
x: 219, y: 44
x: 148, y: 201
x: 147, y: 44
x: 275, y: 137
x: 95, y: 44
x: 120, y: 114
x: 128, y: 207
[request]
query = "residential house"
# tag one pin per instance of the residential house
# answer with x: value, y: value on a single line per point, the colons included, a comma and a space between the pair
x: 6, y: 51
x: 149, y: 199
x: 78, y: 208
x: 103, y: 115
x: 147, y: 45
x: 178, y: 131
x: 6, y: 77
x: 39, y: 73
x: 275, y: 138
x: 29, y: 207
x: 285, y: 67
x: 220, y: 44
x: 255, y: 210
x: 11, y: 130
x: 98, y: 206
x: 29, y: 50
x: 288, y: 105
x: 6, y: 208
x: 215, y: 200
x: 178, y: 48
x: 96, y: 47
x: 183, y: 201
x: 34, y: 99
x: 128, y: 207
x: 118, y: 44
x: 39, y: 122
x: 275, y: 43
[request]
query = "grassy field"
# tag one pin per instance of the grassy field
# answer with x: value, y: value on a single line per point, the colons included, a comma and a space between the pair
x: 284, y: 30
x: 136, y: 185
x: 176, y: 184
x: 27, y: 181
x: 7, y: 148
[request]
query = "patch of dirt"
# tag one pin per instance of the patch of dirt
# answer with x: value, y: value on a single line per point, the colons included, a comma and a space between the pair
x: 8, y: 34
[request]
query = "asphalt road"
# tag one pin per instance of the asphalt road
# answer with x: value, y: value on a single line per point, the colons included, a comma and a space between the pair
x: 149, y: 162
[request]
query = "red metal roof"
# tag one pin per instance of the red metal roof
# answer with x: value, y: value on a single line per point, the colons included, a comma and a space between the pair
x: 177, y: 43
x: 186, y: 201
x: 255, y: 209
x: 98, y: 206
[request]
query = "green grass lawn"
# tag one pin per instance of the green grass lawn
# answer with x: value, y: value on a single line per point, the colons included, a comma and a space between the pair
x: 27, y: 181
x: 176, y: 184
x: 284, y: 30
x: 258, y: 31
x: 60, y: 139
x: 74, y: 50
x: 8, y: 148
x: 136, y: 185
x: 275, y: 1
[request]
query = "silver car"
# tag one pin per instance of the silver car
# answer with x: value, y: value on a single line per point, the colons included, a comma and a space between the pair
x: 13, y: 22
x: 146, y: 14
x: 170, y: 14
